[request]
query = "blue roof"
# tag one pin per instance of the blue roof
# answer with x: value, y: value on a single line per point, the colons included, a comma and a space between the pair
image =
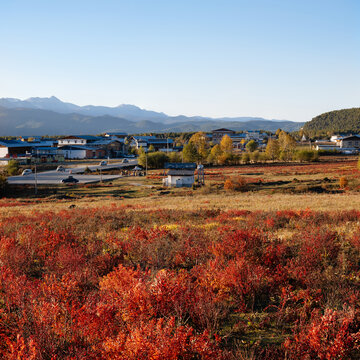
x: 238, y: 136
x: 144, y: 137
x: 153, y: 140
x: 76, y: 147
x: 15, y: 143
x: 182, y: 166
x: 106, y: 141
x: 159, y: 141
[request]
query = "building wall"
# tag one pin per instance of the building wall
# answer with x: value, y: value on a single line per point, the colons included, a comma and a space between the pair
x: 218, y: 135
x: 4, y: 151
x: 180, y: 181
x: 72, y: 142
x: 74, y: 154
x: 350, y: 143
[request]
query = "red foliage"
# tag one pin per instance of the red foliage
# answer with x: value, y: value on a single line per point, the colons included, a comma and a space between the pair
x: 128, y: 283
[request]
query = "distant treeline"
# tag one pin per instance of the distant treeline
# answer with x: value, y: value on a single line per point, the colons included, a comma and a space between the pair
x: 339, y: 121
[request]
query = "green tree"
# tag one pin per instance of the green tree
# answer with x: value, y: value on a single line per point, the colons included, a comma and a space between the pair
x: 155, y: 160
x: 255, y: 156
x: 3, y: 185
x: 190, y: 153
x: 151, y: 148
x: 251, y: 146
x: 139, y: 151
x: 12, y: 167
x: 307, y: 155
x: 245, y: 158
x: 174, y: 157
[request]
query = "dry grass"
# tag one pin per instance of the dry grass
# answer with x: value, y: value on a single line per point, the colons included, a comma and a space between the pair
x: 249, y: 201
x: 147, y: 193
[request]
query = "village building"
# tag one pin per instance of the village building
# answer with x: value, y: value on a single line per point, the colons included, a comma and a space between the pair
x: 82, y: 152
x: 180, y: 174
x: 18, y: 148
x: 239, y: 140
x: 350, y: 142
x: 326, y: 145
x: 218, y: 134
x: 14, y: 148
x: 113, y: 147
x: 116, y: 135
x: 254, y: 135
x: 47, y: 154
x: 158, y: 144
x: 77, y: 140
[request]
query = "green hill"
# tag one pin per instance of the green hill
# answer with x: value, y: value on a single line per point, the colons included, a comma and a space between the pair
x: 344, y: 121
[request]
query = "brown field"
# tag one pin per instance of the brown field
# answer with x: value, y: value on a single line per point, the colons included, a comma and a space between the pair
x: 268, y: 187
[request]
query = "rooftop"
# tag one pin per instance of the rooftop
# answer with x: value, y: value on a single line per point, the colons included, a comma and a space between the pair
x: 180, y: 172
x: 180, y: 166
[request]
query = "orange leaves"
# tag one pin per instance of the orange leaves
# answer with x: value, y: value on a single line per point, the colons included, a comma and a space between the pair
x: 126, y: 283
x: 125, y: 289
x: 160, y: 340
x: 333, y: 335
x: 20, y: 348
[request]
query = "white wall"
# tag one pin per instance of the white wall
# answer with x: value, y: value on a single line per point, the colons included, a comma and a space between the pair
x: 4, y: 151
x: 184, y: 180
x: 72, y: 142
x: 74, y: 154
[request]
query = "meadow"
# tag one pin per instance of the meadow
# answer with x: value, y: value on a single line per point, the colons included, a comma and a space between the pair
x: 129, y: 270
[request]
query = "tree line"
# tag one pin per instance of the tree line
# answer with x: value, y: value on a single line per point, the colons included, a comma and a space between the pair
x: 338, y: 121
x: 200, y: 150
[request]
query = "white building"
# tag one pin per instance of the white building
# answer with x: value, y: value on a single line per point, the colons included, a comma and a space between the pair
x: 77, y: 140
x: 179, y: 178
x: 352, y: 141
x: 180, y: 174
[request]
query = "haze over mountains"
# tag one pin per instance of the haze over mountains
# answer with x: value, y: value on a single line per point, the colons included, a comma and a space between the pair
x: 51, y: 116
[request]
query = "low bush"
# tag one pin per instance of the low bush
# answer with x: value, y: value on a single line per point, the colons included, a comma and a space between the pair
x: 236, y: 183
x: 307, y: 155
x: 343, y: 182
x: 12, y: 168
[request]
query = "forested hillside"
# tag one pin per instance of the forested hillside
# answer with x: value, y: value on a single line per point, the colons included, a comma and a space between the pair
x: 346, y: 120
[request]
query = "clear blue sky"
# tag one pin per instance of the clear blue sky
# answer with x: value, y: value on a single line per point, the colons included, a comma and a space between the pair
x: 283, y: 59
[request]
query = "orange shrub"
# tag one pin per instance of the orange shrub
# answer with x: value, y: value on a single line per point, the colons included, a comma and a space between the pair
x: 343, y: 182
x: 237, y: 183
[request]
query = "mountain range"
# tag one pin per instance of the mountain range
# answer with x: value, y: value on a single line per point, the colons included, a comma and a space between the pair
x: 51, y: 116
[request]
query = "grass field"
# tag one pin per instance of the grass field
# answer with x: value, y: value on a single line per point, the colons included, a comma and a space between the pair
x: 267, y: 187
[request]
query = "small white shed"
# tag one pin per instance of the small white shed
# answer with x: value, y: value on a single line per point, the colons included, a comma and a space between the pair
x: 179, y: 178
x: 180, y: 174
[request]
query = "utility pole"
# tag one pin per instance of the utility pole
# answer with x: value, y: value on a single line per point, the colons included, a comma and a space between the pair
x: 36, y: 172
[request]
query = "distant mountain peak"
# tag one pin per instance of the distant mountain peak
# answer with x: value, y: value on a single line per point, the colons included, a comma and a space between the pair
x: 44, y: 99
x: 70, y: 118
x: 129, y: 106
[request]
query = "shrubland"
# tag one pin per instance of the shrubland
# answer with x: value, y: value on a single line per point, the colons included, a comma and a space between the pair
x: 127, y: 282
x: 237, y: 269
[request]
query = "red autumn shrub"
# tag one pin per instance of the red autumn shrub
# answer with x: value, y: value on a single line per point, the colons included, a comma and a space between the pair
x: 333, y: 335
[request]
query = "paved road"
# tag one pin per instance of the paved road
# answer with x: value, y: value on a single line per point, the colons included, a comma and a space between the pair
x: 79, y: 169
x: 55, y: 177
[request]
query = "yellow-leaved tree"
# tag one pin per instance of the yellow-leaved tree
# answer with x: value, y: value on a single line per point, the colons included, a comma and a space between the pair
x: 226, y: 144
